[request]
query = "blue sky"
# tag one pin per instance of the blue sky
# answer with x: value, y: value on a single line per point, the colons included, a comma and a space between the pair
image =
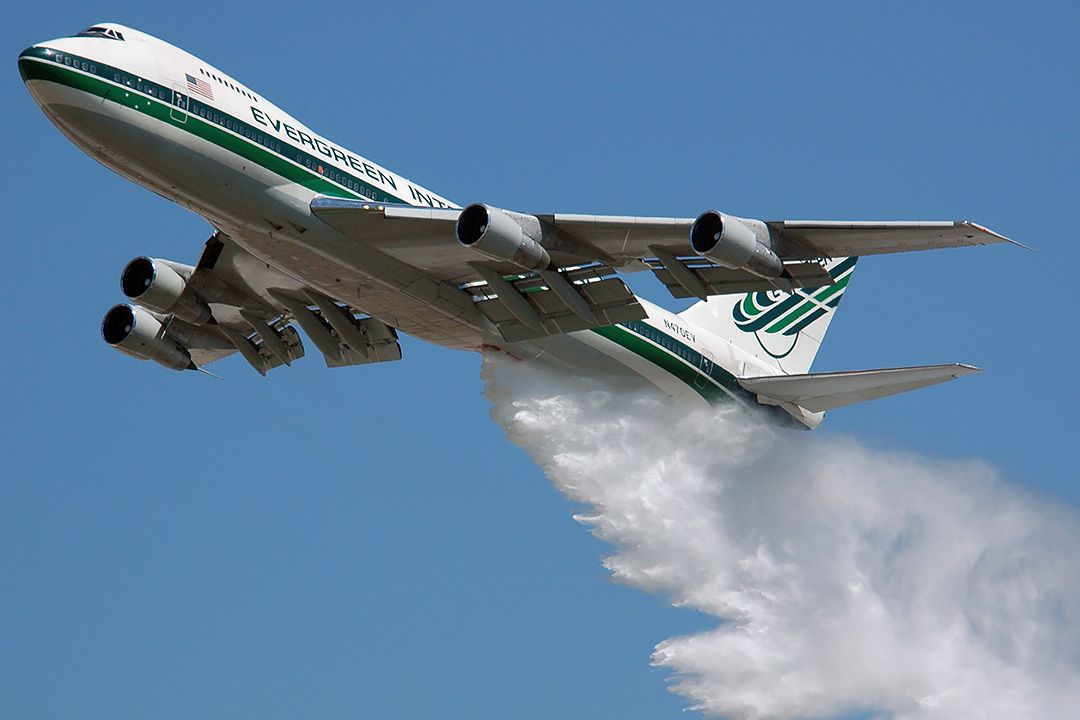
x: 365, y: 542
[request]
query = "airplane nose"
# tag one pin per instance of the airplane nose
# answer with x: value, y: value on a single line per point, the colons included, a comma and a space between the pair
x: 37, y: 59
x: 61, y: 82
x: 53, y: 70
x: 41, y: 62
x: 24, y: 61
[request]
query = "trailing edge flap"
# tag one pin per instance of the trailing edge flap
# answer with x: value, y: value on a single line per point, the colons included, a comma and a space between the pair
x: 818, y: 392
x: 603, y: 300
x: 723, y: 281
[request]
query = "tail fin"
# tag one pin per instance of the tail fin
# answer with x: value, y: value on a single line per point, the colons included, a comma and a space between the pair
x: 784, y: 329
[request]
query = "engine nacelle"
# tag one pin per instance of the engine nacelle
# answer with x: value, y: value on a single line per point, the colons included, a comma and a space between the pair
x: 501, y: 236
x: 136, y: 332
x: 158, y: 285
x: 735, y: 243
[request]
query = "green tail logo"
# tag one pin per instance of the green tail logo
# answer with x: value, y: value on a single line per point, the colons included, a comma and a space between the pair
x: 775, y: 311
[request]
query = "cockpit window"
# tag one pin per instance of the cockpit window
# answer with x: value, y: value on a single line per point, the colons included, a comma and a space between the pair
x: 102, y: 32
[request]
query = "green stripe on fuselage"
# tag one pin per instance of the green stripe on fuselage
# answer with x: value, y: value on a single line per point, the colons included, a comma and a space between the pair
x: 48, y: 70
x: 663, y: 359
x: 715, y: 385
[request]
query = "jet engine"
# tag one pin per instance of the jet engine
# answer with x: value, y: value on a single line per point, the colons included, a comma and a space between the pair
x: 161, y: 285
x: 136, y: 332
x: 735, y: 243
x: 500, y: 235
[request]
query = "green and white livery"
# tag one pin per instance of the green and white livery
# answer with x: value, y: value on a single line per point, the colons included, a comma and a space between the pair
x: 310, y: 236
x: 773, y: 311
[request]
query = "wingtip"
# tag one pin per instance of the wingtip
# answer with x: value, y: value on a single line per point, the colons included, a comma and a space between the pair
x: 204, y: 371
x: 999, y: 236
x: 965, y: 369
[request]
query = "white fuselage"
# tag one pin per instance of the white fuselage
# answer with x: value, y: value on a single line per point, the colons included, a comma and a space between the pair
x: 191, y: 133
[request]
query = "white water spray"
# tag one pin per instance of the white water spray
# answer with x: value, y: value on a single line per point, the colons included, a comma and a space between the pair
x: 844, y: 579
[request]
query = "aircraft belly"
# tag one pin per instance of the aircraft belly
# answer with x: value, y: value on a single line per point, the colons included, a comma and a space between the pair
x: 592, y: 352
x: 574, y: 354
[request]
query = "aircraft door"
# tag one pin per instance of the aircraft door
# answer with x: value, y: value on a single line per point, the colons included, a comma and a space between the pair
x: 706, y: 368
x: 178, y: 109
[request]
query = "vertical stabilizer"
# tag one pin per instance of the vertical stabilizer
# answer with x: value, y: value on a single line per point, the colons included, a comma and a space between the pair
x: 784, y: 329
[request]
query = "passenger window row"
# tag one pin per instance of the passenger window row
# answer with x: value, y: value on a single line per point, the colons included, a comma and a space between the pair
x: 75, y: 62
x: 332, y: 173
x: 236, y: 126
x: 666, y: 341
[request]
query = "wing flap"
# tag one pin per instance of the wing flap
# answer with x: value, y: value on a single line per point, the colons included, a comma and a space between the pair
x: 722, y: 281
x: 608, y: 301
x: 819, y: 392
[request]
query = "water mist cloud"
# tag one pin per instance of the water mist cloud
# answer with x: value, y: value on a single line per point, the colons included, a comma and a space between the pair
x: 843, y: 578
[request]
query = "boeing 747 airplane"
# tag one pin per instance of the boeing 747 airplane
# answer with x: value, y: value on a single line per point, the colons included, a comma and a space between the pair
x: 310, y: 234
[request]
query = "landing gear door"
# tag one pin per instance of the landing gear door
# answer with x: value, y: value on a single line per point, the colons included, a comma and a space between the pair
x: 178, y: 109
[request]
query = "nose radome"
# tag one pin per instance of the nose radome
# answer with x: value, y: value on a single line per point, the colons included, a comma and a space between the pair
x: 24, y: 61
x: 31, y: 56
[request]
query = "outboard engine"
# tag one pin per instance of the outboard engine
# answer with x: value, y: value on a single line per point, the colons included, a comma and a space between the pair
x: 735, y: 243
x: 135, y: 331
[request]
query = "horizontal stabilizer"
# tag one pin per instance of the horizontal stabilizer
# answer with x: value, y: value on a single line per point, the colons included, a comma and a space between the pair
x: 819, y: 392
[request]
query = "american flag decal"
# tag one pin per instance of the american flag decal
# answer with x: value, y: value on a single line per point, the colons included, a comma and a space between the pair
x: 201, y: 87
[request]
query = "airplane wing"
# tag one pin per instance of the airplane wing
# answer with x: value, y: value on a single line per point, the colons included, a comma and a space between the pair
x: 631, y: 237
x: 628, y: 238
x: 845, y: 239
x: 425, y: 238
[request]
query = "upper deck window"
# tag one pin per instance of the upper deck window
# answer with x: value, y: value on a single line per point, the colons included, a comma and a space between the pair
x: 229, y: 84
x: 102, y: 32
